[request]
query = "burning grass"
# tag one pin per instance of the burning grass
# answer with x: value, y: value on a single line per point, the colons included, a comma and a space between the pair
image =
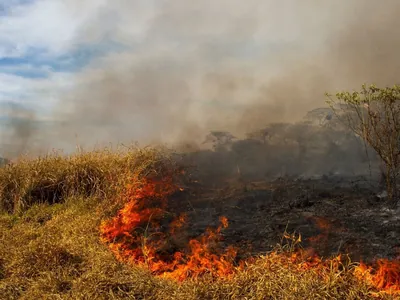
x: 53, y: 251
x: 135, y: 235
x: 127, y: 238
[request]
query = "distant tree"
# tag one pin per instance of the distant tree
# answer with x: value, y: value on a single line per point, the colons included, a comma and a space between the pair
x: 221, y: 140
x: 278, y: 131
x: 260, y: 135
x: 301, y: 133
x: 374, y: 114
x: 326, y: 118
x: 319, y: 116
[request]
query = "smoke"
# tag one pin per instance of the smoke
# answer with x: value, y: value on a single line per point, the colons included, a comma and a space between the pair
x: 21, y: 128
x: 188, y: 67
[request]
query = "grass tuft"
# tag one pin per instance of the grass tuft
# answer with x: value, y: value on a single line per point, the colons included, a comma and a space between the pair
x: 55, y: 177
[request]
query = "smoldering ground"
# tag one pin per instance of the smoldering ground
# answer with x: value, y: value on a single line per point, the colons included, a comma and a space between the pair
x: 181, y: 69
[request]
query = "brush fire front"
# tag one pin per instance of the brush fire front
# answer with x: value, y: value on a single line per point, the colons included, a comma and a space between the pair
x: 144, y: 233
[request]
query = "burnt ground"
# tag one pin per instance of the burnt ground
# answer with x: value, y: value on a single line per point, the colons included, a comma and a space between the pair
x: 338, y: 214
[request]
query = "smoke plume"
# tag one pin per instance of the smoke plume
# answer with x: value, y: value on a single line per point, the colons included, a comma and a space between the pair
x: 188, y: 67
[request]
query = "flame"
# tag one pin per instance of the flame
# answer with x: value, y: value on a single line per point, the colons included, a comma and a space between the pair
x: 136, y: 236
x: 139, y: 235
x: 326, y: 227
x: 178, y: 223
x: 384, y: 276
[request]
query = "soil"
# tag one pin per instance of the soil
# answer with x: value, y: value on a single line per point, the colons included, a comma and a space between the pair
x: 332, y: 214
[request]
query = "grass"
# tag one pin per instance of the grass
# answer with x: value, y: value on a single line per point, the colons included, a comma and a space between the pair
x: 51, y: 209
x: 56, y: 177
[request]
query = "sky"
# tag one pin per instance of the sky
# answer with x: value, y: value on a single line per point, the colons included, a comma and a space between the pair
x: 163, y: 70
x: 46, y: 44
x: 40, y: 49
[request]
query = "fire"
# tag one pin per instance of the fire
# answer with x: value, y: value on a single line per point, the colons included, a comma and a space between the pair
x: 384, y: 276
x: 143, y: 233
x: 136, y: 236
x: 178, y: 223
x: 325, y: 226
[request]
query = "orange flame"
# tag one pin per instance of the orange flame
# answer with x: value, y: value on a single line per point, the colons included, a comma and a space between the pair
x: 135, y: 236
x: 385, y: 276
x: 325, y: 226
x: 178, y: 223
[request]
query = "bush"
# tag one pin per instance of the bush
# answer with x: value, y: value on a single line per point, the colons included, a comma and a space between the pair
x: 374, y: 115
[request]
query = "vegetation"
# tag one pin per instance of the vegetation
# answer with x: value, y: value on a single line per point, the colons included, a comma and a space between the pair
x: 374, y: 114
x: 55, y: 178
x: 52, y: 208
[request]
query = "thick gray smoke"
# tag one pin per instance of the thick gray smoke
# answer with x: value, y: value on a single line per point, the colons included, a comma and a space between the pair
x: 188, y: 67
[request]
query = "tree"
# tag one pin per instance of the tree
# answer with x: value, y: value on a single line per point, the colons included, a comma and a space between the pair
x: 260, y: 135
x: 221, y: 140
x: 374, y: 114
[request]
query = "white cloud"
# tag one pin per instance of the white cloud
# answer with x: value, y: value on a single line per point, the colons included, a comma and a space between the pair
x: 40, y: 31
x: 41, y: 25
x: 39, y: 95
x: 56, y: 26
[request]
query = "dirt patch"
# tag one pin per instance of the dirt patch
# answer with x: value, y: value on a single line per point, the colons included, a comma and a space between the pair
x: 332, y: 214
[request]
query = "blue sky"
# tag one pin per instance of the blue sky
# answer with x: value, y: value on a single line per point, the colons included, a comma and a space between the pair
x: 41, y: 43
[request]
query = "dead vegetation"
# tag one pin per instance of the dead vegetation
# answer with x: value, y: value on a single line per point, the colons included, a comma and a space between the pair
x: 63, y: 259
x: 56, y: 177
x: 50, y: 246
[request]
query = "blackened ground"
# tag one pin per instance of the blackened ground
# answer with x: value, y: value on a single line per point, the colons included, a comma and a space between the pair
x: 332, y: 214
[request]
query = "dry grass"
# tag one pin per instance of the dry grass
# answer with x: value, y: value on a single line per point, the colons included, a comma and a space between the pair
x: 56, y: 177
x: 50, y: 248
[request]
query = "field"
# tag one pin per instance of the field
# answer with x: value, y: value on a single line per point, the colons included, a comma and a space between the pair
x: 153, y: 223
